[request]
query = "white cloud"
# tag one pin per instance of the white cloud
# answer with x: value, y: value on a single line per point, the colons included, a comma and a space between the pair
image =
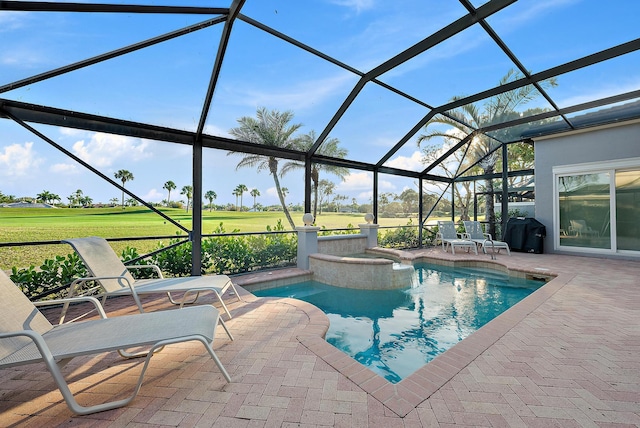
x: 216, y: 130
x: 618, y: 86
x: 385, y: 186
x: 533, y: 11
x: 73, y: 131
x: 64, y: 168
x: 154, y: 195
x: 11, y: 20
x: 271, y: 191
x: 18, y: 160
x: 357, y: 181
x: 358, y: 5
x: 296, y: 96
x: 365, y: 196
x: 412, y: 163
x: 104, y: 149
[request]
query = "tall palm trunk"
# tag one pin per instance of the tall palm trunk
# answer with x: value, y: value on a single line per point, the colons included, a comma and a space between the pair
x: 315, y: 175
x: 273, y: 168
x: 491, y: 212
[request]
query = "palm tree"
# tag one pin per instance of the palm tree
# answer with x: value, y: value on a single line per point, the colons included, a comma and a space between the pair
x: 169, y: 186
x: 269, y: 128
x: 74, y: 198
x: 255, y: 193
x: 86, y: 201
x: 469, y: 117
x: 124, y: 176
x: 236, y: 194
x: 329, y: 147
x: 210, y: 195
x: 240, y: 189
x: 45, y: 196
x: 113, y: 201
x: 188, y: 192
x: 326, y: 189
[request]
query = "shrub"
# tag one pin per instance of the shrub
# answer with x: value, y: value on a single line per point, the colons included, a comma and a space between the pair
x: 220, y: 254
x: 352, y: 230
x: 52, y: 273
x: 176, y: 261
x: 233, y: 254
x: 129, y: 254
x: 401, y: 237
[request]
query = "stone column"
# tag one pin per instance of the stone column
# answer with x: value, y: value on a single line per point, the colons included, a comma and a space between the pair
x: 371, y: 232
x: 307, y: 241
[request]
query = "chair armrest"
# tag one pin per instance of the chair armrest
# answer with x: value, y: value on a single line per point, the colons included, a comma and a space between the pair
x: 155, y: 268
x: 90, y: 299
x: 37, y: 339
x: 488, y: 236
x: 78, y: 281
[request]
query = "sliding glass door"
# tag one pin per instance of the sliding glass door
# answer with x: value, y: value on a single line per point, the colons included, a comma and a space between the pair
x: 584, y: 202
x: 628, y: 210
x: 597, y: 210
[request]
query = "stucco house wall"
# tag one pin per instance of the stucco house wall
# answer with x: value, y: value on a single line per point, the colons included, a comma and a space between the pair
x: 598, y: 145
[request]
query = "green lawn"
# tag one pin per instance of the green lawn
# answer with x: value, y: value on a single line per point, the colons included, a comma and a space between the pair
x: 53, y: 224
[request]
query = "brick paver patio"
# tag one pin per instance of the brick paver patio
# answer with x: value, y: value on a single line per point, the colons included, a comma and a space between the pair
x: 568, y: 355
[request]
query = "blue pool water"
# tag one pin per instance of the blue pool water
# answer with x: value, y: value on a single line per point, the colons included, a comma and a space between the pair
x: 395, y: 332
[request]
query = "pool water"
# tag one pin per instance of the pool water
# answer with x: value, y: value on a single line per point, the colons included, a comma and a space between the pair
x: 395, y: 332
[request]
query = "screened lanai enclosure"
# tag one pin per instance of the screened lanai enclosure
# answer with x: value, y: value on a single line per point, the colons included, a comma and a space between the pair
x: 446, y: 98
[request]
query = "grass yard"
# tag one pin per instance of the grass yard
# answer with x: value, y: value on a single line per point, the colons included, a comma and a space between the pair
x: 54, y: 224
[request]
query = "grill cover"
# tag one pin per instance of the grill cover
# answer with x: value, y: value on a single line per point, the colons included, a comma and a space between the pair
x: 525, y: 234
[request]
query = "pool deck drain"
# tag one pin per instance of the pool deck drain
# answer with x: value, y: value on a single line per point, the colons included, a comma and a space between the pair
x: 567, y: 355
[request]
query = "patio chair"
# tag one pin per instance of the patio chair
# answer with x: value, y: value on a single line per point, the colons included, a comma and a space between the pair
x: 449, y: 237
x: 26, y: 337
x: 114, y: 277
x: 580, y: 228
x: 473, y: 232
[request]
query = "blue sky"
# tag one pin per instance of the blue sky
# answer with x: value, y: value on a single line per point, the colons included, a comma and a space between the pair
x: 165, y: 84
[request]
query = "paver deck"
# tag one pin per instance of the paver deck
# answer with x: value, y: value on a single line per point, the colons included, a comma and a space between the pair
x: 568, y: 355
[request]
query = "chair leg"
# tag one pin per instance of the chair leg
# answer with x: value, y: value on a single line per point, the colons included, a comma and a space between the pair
x: 82, y: 410
x: 224, y: 325
x: 184, y: 296
x: 236, y: 291
x: 223, y: 305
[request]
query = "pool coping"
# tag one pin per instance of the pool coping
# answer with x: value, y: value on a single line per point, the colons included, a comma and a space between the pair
x: 406, y: 395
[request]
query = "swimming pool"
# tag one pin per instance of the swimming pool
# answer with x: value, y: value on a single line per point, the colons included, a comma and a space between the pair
x: 395, y: 332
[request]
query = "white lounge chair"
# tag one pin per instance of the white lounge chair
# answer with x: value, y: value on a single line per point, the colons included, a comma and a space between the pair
x: 449, y: 237
x: 473, y: 232
x: 26, y: 337
x: 114, y: 277
x: 580, y: 228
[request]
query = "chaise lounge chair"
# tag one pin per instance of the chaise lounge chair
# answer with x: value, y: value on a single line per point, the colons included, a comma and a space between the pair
x: 473, y: 232
x: 580, y: 228
x: 114, y: 277
x: 449, y: 237
x: 26, y: 337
